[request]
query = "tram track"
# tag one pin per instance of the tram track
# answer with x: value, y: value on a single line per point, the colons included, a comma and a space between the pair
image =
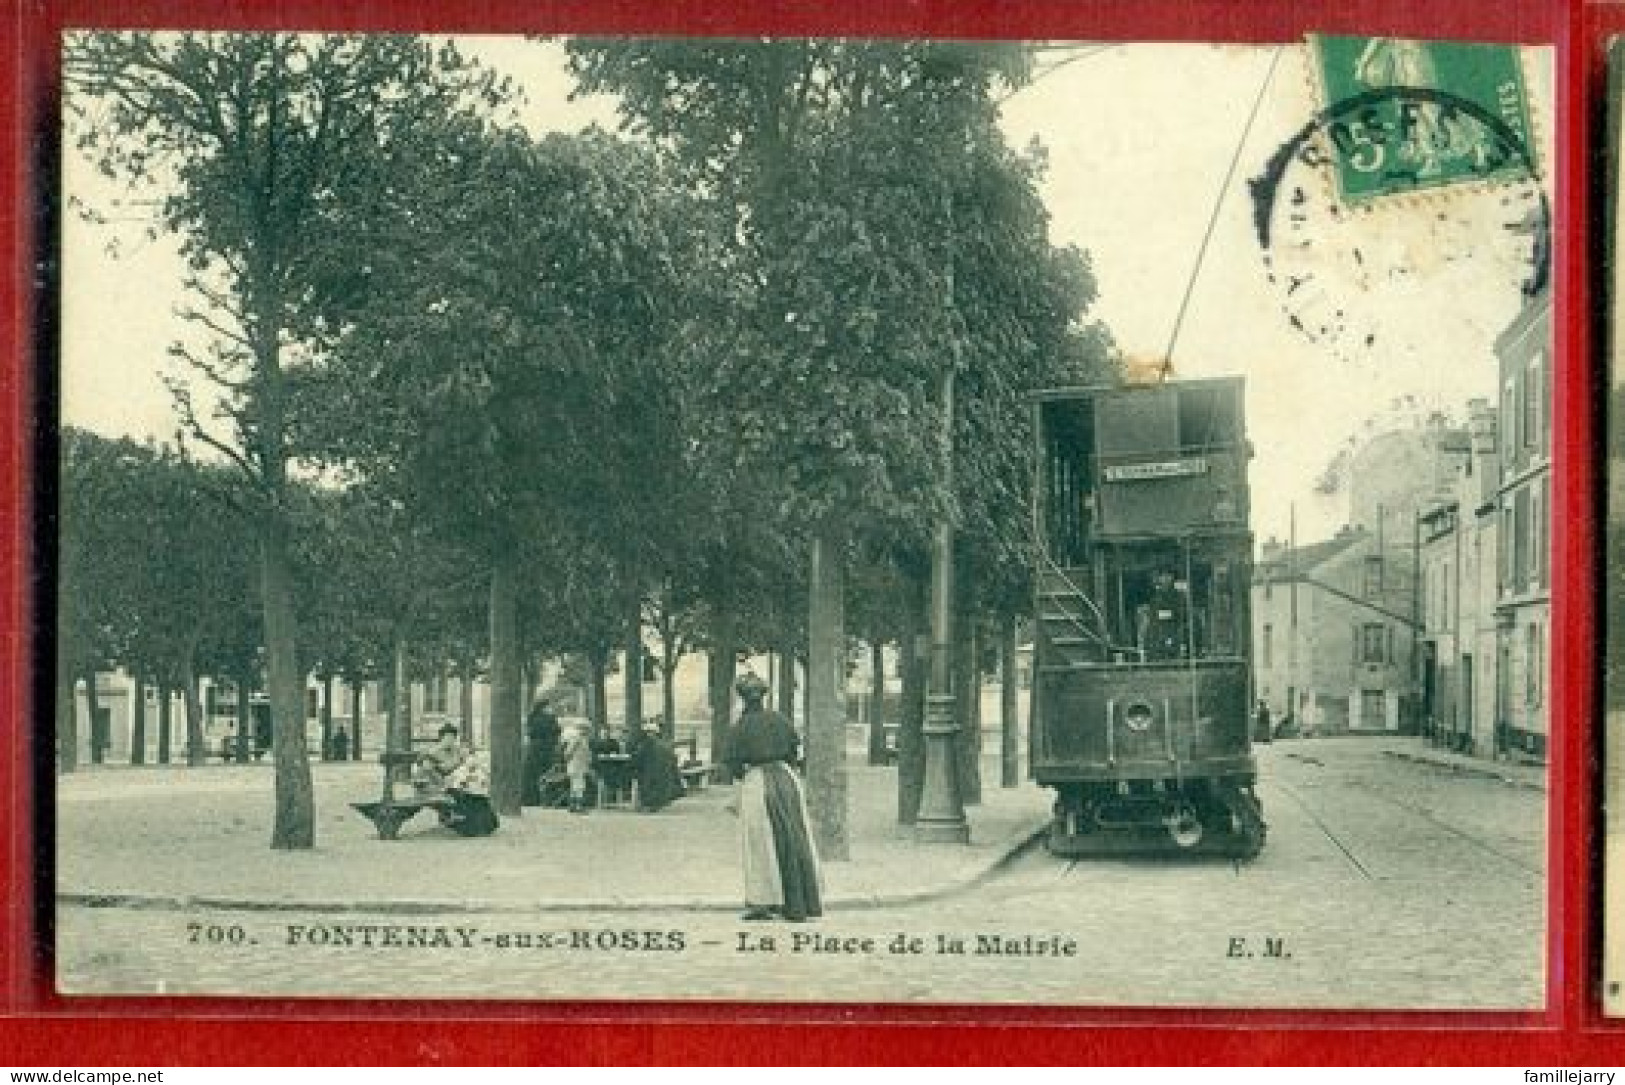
x: 1461, y: 834
x: 1309, y: 811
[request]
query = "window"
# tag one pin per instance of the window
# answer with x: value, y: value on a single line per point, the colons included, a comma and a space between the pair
x: 1373, y: 575
x: 1504, y: 545
x: 1509, y: 415
x: 1520, y: 540
x: 1542, y: 540
x: 1267, y: 649
x: 1533, y: 383
x: 1534, y: 665
x: 1208, y: 416
x: 1373, y: 643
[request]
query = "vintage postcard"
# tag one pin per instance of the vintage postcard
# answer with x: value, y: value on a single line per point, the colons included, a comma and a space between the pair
x: 807, y: 521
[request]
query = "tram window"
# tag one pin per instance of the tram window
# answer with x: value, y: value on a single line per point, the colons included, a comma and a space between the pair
x: 1208, y: 416
x: 1067, y: 505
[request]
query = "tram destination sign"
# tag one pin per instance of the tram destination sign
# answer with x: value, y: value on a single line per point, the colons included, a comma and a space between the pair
x: 1140, y: 472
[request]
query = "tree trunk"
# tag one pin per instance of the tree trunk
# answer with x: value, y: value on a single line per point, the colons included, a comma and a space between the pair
x: 507, y: 728
x: 634, y: 668
x: 406, y: 689
x: 722, y: 664
x: 67, y: 717
x: 598, y: 669
x: 967, y: 710
x: 911, y: 724
x: 806, y: 697
x: 327, y: 716
x: 195, y: 752
x: 295, y: 822
x: 93, y: 707
x: 530, y: 671
x: 668, y: 693
x: 1009, y: 707
x: 138, y: 719
x: 165, y: 720
x: 397, y: 727
x: 357, y: 714
x: 826, y: 681
x: 877, y: 702
x: 787, y: 682
x: 465, y: 695
x: 245, y: 717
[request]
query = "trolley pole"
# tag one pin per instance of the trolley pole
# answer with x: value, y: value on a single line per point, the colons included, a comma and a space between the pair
x: 941, y: 819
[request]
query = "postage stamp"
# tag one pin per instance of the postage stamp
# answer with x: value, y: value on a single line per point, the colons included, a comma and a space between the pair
x: 1415, y: 115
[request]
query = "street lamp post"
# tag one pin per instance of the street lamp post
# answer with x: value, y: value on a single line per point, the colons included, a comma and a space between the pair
x: 941, y: 818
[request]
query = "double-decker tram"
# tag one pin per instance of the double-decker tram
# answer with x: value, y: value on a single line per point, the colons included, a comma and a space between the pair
x: 1142, y: 675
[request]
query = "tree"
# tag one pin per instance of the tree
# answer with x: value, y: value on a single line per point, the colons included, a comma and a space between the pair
x: 95, y: 565
x: 153, y: 566
x: 252, y: 135
x: 677, y: 618
x: 848, y: 164
x: 507, y: 332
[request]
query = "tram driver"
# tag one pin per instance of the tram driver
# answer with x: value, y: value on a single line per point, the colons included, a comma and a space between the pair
x: 1164, y: 620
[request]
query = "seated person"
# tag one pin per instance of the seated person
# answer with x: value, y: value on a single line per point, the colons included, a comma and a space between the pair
x: 449, y: 770
x: 654, y: 767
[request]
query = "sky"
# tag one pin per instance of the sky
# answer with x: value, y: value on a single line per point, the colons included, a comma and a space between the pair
x: 1147, y: 144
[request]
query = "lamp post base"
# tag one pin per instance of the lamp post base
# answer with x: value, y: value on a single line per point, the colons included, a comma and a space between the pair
x: 946, y: 831
x: 941, y: 819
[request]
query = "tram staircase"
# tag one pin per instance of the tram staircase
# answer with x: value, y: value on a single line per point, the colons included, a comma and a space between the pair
x: 1068, y: 621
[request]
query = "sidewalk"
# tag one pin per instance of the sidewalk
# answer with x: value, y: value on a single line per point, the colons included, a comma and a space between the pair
x: 198, y: 838
x: 1513, y: 773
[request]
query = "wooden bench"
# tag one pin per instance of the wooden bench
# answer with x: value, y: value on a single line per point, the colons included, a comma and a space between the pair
x: 696, y: 777
x: 389, y: 813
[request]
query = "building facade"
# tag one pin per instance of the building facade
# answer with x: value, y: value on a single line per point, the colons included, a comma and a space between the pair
x: 1334, y: 634
x: 1523, y: 566
x: 1458, y: 536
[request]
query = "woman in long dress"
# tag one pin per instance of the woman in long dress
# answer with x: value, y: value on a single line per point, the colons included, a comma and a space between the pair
x: 775, y: 839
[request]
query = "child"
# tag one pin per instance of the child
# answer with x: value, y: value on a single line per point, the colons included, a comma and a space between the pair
x: 577, y: 763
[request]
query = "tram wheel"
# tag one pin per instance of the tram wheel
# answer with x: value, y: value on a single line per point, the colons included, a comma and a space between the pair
x: 1250, y: 828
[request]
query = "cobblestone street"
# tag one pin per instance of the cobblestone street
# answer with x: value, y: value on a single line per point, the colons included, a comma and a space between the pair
x: 1386, y: 882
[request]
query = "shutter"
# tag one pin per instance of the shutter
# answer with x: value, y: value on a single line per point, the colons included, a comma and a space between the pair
x: 1389, y: 657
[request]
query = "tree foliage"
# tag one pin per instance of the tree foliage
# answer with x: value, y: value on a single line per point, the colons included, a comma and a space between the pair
x: 155, y: 569
x: 879, y: 235
x: 252, y: 138
x: 506, y: 327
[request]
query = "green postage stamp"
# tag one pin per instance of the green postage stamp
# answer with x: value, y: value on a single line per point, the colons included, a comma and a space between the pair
x: 1403, y: 115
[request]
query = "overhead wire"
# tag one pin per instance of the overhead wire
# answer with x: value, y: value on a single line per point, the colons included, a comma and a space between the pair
x: 1218, y: 205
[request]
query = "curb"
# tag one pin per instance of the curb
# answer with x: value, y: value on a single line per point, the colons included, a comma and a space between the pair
x: 1019, y: 845
x: 1462, y: 769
